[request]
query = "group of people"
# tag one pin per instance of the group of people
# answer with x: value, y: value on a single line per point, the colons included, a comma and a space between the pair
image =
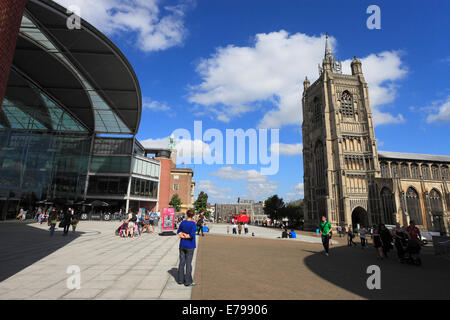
x: 238, y: 227
x: 67, y: 218
x: 135, y: 225
x: 405, y: 239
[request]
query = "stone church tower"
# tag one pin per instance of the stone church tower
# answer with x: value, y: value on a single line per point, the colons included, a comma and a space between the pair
x: 339, y: 149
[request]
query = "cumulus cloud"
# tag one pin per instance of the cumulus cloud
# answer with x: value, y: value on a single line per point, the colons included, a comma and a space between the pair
x: 236, y: 80
x: 214, y: 192
x: 187, y: 150
x: 156, y: 106
x: 442, y: 114
x: 152, y: 29
x: 298, y: 192
x: 287, y: 149
x: 257, y: 185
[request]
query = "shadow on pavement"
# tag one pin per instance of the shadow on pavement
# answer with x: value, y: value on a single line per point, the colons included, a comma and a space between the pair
x: 346, y: 267
x: 22, y: 244
x: 174, y: 273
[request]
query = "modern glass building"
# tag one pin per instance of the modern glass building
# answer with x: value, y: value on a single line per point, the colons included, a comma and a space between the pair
x: 68, y: 120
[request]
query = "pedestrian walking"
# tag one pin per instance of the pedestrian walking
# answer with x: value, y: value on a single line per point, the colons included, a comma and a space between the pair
x: 200, y: 223
x: 400, y: 240
x: 52, y: 220
x: 66, y: 221
x: 326, y: 229
x: 132, y: 218
x: 386, y: 238
x: 246, y: 228
x: 75, y: 221
x: 377, y: 243
x: 350, y: 236
x: 362, y: 237
x: 186, y: 233
x: 234, y: 228
x: 240, y: 228
x: 339, y: 229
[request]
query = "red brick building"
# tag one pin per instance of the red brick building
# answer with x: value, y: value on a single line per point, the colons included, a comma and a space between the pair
x: 11, y: 12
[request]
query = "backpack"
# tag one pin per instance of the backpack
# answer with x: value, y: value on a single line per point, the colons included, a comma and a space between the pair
x: 133, y: 218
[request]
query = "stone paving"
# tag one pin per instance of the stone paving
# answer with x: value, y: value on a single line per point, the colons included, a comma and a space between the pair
x: 35, y: 264
x: 263, y: 233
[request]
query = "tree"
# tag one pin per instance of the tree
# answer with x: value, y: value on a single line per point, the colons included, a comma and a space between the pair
x: 272, y: 207
x: 175, y: 202
x: 201, y: 204
x: 294, y: 212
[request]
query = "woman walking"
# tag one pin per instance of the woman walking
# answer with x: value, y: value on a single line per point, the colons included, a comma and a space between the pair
x: 386, y: 239
x: 52, y: 220
x: 400, y: 240
x: 377, y: 242
x: 186, y: 233
x: 75, y: 221
x: 350, y: 236
x: 66, y: 221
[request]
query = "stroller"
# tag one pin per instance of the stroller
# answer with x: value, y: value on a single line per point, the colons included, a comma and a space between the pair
x: 122, y: 230
x: 412, y: 251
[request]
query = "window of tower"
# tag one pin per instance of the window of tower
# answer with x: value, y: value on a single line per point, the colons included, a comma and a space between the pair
x: 317, y: 110
x: 319, y: 164
x: 384, y: 170
x: 347, y: 105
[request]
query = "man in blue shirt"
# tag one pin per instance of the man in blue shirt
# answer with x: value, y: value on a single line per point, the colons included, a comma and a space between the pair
x: 153, y: 217
x: 186, y: 233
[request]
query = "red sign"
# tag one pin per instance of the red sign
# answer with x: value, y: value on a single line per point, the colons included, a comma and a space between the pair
x: 168, y: 219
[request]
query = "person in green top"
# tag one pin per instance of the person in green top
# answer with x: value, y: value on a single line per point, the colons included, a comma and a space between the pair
x: 53, y: 219
x: 325, y: 228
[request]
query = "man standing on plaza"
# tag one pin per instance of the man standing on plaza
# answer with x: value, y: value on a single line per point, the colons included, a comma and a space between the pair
x: 186, y: 233
x: 325, y: 228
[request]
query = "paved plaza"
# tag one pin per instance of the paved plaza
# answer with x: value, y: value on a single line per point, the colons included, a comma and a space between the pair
x: 34, y: 265
x: 242, y: 268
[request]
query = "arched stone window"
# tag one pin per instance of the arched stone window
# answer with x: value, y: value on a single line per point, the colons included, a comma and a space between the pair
x: 347, y: 105
x: 388, y: 205
x: 317, y: 111
x: 435, y: 172
x: 425, y: 172
x: 404, y: 170
x: 319, y: 164
x: 413, y: 205
x: 415, y: 171
x: 444, y: 170
x: 384, y: 170
x: 437, y: 210
x: 436, y: 202
x: 394, y: 169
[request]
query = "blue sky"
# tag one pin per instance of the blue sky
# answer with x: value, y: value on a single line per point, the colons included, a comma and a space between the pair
x: 240, y: 64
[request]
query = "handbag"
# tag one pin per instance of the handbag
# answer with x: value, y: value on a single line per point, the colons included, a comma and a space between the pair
x: 62, y: 224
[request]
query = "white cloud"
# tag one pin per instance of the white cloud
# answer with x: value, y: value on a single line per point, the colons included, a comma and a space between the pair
x: 298, y: 192
x: 155, y: 105
x: 257, y: 185
x: 230, y: 173
x: 235, y: 80
x: 214, y: 192
x: 287, y: 149
x: 155, y: 30
x: 443, y: 112
x: 187, y: 150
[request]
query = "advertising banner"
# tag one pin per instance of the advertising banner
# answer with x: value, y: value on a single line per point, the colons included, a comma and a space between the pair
x: 168, y: 219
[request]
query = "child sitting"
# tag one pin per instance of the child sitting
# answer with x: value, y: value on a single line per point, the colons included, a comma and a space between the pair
x: 123, y: 230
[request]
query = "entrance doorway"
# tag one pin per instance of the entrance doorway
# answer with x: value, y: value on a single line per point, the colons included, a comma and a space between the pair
x: 359, y: 218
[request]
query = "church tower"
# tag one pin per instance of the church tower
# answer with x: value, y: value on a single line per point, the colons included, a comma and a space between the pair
x: 339, y: 148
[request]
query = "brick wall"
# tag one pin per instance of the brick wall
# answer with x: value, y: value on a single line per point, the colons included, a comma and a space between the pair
x: 164, y: 183
x: 11, y: 12
x: 184, y: 187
